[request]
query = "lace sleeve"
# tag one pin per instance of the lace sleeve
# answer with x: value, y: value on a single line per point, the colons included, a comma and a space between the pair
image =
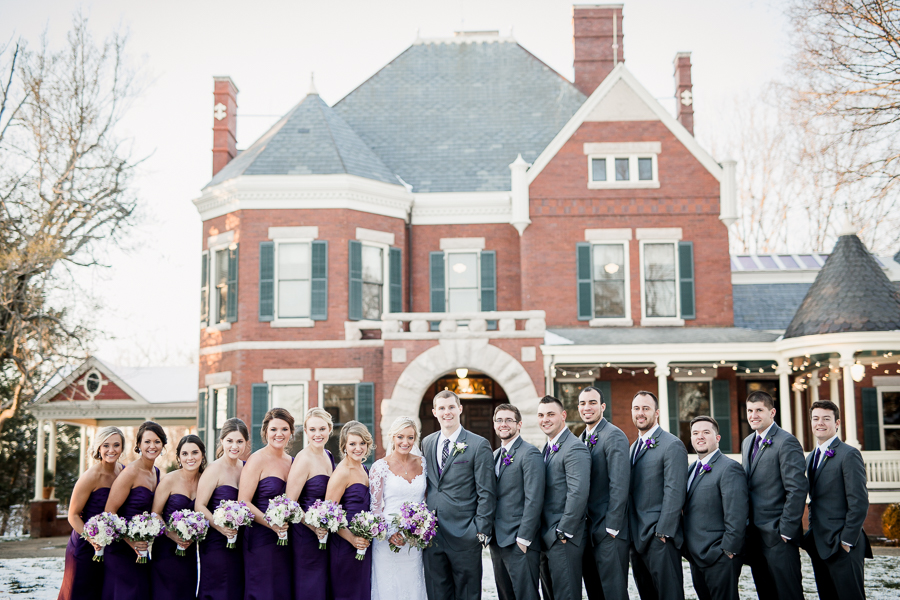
x: 424, y: 467
x: 376, y: 484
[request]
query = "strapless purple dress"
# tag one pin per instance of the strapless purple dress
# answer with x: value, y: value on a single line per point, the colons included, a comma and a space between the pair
x: 124, y: 578
x: 173, y: 577
x: 84, y: 577
x: 221, y: 569
x: 310, y: 563
x: 267, y: 566
x: 351, y: 579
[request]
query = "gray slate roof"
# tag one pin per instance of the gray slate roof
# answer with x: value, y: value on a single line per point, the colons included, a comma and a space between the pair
x: 310, y: 140
x: 767, y: 305
x: 850, y: 293
x: 663, y: 335
x: 451, y: 117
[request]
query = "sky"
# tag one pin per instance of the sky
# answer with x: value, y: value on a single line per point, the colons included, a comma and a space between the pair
x: 148, y: 295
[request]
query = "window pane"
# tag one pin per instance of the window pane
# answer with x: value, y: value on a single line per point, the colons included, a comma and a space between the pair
x: 293, y: 299
x: 598, y: 169
x: 622, y: 169
x: 659, y: 279
x: 222, y: 303
x: 645, y: 169
x: 340, y: 402
x: 693, y: 401
x: 892, y: 439
x: 568, y: 395
x: 609, y: 299
x: 373, y: 264
x: 660, y: 299
x: 221, y: 267
x: 462, y: 269
x: 221, y: 409
x: 293, y: 261
x: 371, y: 301
x: 293, y: 399
x: 463, y: 301
x: 609, y: 261
x: 890, y: 404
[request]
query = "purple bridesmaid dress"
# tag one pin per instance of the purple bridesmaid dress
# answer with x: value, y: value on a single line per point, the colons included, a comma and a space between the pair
x: 221, y: 569
x: 173, y: 577
x: 124, y: 578
x: 310, y: 563
x: 267, y: 566
x: 351, y: 579
x: 84, y: 577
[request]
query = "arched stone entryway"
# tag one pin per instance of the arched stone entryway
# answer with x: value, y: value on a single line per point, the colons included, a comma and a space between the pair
x: 449, y: 355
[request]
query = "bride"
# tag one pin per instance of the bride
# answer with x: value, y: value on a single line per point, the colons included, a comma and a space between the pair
x: 397, y: 478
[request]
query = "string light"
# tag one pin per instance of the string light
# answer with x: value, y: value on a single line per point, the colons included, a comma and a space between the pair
x: 703, y: 371
x: 647, y: 371
x: 690, y: 372
x: 620, y: 371
x: 677, y: 370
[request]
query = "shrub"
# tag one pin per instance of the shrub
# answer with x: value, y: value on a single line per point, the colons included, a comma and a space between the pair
x: 890, y: 522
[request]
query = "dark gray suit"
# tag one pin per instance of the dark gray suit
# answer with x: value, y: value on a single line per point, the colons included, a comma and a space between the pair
x: 520, y: 497
x: 565, y: 498
x: 715, y: 520
x: 658, y: 482
x: 605, y: 565
x: 778, y: 487
x: 838, y: 503
x: 463, y: 499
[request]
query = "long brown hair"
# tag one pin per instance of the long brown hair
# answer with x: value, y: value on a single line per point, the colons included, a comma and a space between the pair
x: 191, y: 439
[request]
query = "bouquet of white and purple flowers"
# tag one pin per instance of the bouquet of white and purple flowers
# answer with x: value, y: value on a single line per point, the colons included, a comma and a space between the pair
x: 328, y: 515
x: 232, y: 514
x: 368, y: 526
x: 103, y: 530
x: 417, y: 524
x: 144, y: 527
x: 282, y: 510
x: 189, y: 525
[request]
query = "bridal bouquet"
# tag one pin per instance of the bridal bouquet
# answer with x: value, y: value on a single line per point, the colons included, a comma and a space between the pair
x: 144, y: 527
x: 282, y: 510
x: 103, y: 530
x: 189, y: 525
x: 232, y: 514
x: 417, y: 524
x: 328, y: 515
x: 368, y: 526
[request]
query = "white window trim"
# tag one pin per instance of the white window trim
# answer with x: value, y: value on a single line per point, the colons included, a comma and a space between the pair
x: 305, y: 385
x: 205, y: 324
x: 471, y: 250
x: 880, y: 390
x: 211, y: 416
x: 646, y: 321
x: 633, y: 182
x: 278, y: 322
x: 625, y: 321
x: 223, y: 242
x: 385, y: 275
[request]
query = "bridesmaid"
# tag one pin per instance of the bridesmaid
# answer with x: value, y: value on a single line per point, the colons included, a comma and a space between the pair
x: 351, y: 579
x: 84, y: 577
x: 267, y: 566
x: 132, y: 494
x: 174, y: 577
x: 307, y: 483
x: 222, y: 569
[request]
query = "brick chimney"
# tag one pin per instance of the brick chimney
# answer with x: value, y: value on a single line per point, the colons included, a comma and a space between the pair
x: 684, y: 91
x: 224, y: 122
x: 599, y: 44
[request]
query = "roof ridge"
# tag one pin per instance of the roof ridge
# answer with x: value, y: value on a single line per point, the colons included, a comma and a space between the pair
x: 337, y: 148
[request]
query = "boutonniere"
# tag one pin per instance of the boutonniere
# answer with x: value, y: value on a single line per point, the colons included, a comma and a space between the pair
x: 554, y: 448
x: 459, y: 447
x: 829, y: 453
x: 508, y: 460
x: 651, y: 443
x: 767, y: 442
x: 592, y: 441
x: 705, y: 468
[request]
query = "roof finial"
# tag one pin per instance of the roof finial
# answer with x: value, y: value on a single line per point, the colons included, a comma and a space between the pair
x: 312, y: 85
x: 845, y: 225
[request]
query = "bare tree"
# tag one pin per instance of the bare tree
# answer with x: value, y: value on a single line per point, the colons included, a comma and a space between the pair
x: 64, y: 193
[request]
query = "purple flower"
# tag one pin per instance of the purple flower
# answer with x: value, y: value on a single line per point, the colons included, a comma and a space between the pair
x: 592, y: 441
x: 651, y: 443
x: 706, y: 468
x: 829, y: 453
x: 767, y: 442
x: 508, y: 460
x: 554, y: 448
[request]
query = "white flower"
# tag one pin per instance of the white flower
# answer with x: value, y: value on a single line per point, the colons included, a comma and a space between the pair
x: 460, y: 447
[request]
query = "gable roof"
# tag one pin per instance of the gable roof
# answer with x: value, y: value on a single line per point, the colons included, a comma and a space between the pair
x: 312, y: 139
x: 850, y: 293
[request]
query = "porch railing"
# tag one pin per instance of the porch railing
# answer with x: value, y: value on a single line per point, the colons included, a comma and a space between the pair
x: 492, y: 324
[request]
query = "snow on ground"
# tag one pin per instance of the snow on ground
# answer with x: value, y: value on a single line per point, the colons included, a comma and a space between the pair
x: 40, y: 578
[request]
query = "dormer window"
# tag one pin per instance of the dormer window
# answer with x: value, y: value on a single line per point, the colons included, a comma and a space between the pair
x: 622, y: 166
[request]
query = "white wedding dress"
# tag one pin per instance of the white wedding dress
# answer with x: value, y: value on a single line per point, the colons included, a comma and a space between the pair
x: 399, y: 576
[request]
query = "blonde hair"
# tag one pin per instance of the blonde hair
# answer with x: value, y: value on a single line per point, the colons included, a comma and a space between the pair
x: 358, y: 429
x: 399, y: 424
x: 320, y: 413
x: 103, y: 435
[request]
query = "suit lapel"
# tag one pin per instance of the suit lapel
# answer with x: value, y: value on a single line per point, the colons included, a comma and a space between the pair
x: 745, y: 454
x: 702, y: 473
x: 428, y: 451
x: 460, y: 439
x: 823, y: 461
x: 643, y: 449
x: 511, y: 453
x: 762, y: 446
x: 559, y: 443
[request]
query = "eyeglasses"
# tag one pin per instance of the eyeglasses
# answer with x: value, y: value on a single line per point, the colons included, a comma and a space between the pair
x: 505, y: 421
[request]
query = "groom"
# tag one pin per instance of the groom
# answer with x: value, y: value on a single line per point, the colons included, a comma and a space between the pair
x: 461, y: 493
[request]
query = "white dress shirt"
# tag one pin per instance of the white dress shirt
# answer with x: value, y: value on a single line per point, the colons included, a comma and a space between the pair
x: 642, y: 445
x: 440, y: 446
x: 703, y: 461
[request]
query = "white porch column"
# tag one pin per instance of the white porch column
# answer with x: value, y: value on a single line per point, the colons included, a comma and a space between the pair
x: 662, y: 392
x: 814, y: 383
x: 51, y: 455
x: 784, y: 395
x: 834, y: 375
x: 798, y: 408
x: 82, y: 450
x: 39, y: 462
x: 849, y: 400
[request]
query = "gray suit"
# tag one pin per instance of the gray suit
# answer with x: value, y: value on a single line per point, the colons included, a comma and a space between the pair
x: 520, y: 497
x: 778, y: 488
x: 605, y: 565
x: 658, y: 482
x: 463, y: 498
x: 838, y: 503
x: 565, y: 498
x: 715, y: 520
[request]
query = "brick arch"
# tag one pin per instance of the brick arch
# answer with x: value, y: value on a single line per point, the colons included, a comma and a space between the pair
x: 449, y: 355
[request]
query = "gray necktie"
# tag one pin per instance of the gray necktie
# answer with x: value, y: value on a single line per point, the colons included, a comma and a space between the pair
x: 445, y: 453
x: 500, y: 461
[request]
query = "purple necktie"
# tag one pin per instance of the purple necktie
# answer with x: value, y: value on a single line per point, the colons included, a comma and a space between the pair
x: 756, y: 442
x: 696, y: 474
x: 815, y: 463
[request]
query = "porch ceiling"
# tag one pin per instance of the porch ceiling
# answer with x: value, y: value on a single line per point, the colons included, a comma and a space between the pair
x: 584, y: 336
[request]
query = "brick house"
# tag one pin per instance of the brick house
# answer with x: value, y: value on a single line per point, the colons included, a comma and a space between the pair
x: 469, y: 219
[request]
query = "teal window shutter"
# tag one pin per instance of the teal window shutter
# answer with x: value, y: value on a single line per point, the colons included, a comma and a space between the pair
x: 204, y: 287
x: 365, y: 411
x: 585, y: 293
x: 396, y: 289
x: 489, y: 280
x: 231, y: 308
x: 319, y: 284
x: 686, y: 280
x: 438, y: 302
x: 673, y: 409
x: 721, y: 412
x: 231, y: 409
x: 266, y: 281
x: 259, y: 408
x: 202, y: 405
x: 605, y: 388
x: 871, y: 419
x: 355, y: 298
